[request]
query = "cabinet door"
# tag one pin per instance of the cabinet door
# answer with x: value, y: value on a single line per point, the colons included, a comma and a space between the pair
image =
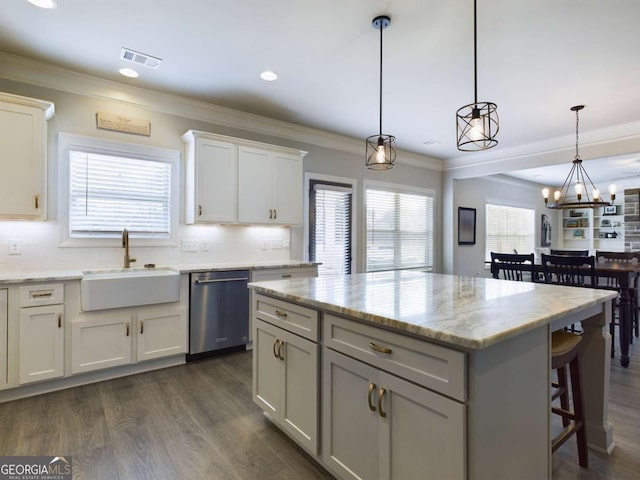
x: 41, y: 343
x: 350, y: 428
x: 100, y: 340
x: 287, y: 189
x: 161, y: 333
x: 22, y: 157
x: 267, y: 368
x: 216, y: 181
x: 299, y: 409
x: 3, y: 336
x: 417, y: 416
x: 255, y: 185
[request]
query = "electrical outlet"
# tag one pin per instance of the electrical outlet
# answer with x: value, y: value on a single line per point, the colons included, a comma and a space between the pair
x: 14, y: 247
x: 190, y: 245
x: 204, y: 246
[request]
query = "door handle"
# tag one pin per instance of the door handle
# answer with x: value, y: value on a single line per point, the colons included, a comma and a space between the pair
x: 141, y: 327
x: 280, y: 354
x: 270, y: 214
x: 59, y: 320
x: 127, y: 329
x: 276, y: 343
x: 372, y: 387
x: 381, y: 393
x: 275, y: 214
x: 199, y: 210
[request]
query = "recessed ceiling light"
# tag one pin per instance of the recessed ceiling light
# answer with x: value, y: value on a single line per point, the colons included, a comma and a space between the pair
x: 43, y: 3
x: 129, y: 72
x: 268, y: 75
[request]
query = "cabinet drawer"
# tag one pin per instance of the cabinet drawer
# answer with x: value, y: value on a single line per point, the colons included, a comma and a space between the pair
x: 437, y: 368
x: 283, y: 273
x: 294, y: 318
x: 35, y: 295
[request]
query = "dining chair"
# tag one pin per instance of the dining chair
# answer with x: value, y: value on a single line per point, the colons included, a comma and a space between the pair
x: 621, y: 257
x: 518, y: 267
x: 577, y: 271
x: 570, y: 253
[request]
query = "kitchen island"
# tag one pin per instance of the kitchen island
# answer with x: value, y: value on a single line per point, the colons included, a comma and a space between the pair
x: 396, y: 374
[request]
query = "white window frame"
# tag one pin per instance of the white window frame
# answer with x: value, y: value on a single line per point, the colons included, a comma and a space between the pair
x: 68, y: 142
x: 506, y: 203
x: 400, y: 188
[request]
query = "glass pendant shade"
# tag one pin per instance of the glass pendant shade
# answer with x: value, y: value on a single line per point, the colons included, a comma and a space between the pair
x: 477, y: 126
x: 381, y: 152
x: 380, y: 148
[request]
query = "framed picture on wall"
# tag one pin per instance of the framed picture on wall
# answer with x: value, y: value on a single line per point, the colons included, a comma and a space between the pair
x: 545, y: 230
x: 466, y: 226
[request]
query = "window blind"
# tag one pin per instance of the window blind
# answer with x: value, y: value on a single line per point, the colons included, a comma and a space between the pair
x: 509, y: 229
x: 399, y: 230
x: 108, y: 193
x: 330, y: 225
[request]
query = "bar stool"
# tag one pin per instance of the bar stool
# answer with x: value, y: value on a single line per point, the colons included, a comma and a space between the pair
x: 565, y: 348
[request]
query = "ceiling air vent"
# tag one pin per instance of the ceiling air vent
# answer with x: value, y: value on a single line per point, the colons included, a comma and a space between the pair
x: 140, y: 58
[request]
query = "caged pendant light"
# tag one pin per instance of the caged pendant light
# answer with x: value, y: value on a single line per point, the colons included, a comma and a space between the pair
x: 578, y: 177
x: 477, y: 123
x: 381, y: 148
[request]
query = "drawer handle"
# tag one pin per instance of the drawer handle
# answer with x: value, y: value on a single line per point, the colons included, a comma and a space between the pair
x: 372, y: 387
x: 381, y: 393
x: 276, y: 344
x: 280, y: 354
x: 41, y: 295
x: 59, y: 320
x: 286, y: 275
x: 379, y: 349
x: 280, y: 313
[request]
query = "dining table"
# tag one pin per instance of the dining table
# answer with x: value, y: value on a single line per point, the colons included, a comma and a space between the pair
x: 624, y: 273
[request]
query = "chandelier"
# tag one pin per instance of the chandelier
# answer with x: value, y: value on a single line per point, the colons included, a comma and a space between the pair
x: 581, y: 182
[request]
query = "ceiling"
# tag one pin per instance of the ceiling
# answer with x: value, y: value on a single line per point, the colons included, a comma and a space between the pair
x: 535, y: 60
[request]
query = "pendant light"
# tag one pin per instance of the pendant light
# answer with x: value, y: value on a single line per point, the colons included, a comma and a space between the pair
x: 477, y: 123
x: 578, y: 177
x: 381, y: 148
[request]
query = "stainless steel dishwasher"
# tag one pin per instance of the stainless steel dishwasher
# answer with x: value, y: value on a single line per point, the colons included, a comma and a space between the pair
x: 218, y: 311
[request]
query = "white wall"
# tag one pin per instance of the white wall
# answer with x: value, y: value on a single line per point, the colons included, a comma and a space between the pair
x: 75, y: 113
x: 476, y: 193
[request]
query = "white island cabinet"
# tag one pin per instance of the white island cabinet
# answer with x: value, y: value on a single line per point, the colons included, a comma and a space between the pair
x: 435, y: 376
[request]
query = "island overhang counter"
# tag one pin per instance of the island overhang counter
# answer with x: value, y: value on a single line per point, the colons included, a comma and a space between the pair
x: 467, y: 358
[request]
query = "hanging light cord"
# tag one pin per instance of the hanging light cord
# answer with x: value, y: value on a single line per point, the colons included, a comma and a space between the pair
x: 475, y: 54
x: 577, y: 121
x: 381, y: 29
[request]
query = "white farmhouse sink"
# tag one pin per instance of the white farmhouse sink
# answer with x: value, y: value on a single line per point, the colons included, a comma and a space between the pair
x: 129, y: 287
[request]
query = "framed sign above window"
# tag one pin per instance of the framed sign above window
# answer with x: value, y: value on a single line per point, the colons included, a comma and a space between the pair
x: 466, y: 226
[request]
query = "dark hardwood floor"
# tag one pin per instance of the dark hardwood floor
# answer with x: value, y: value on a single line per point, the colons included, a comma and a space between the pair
x: 197, y: 421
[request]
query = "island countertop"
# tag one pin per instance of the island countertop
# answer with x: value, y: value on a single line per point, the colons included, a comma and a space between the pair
x: 464, y: 312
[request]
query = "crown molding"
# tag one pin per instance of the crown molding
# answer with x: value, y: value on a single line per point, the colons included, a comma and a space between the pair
x: 21, y: 69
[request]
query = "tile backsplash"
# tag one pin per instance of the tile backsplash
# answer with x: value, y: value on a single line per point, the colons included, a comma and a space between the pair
x: 35, y: 246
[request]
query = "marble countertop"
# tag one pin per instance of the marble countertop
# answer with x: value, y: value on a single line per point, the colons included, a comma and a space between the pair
x: 61, y: 275
x: 466, y: 312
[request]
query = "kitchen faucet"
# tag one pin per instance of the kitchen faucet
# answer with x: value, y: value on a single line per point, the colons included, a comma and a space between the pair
x: 125, y: 244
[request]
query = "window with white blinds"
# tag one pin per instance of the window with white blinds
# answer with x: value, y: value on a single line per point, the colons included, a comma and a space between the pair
x: 509, y: 229
x: 399, y: 230
x: 108, y: 193
x: 330, y: 207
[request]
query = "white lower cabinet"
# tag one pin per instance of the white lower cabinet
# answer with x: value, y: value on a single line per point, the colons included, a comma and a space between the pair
x: 4, y: 353
x: 41, y: 343
x: 106, y: 339
x: 285, y: 381
x: 379, y: 426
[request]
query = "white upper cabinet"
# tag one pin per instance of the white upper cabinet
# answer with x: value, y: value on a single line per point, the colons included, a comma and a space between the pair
x: 23, y: 152
x: 231, y: 180
x: 211, y: 179
x: 269, y: 186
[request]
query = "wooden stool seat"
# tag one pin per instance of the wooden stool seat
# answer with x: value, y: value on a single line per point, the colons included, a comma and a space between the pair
x: 565, y: 348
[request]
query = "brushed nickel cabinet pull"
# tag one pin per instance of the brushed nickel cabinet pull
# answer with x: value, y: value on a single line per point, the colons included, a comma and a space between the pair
x: 372, y: 387
x: 59, y: 320
x: 379, y: 349
x: 141, y: 327
x: 276, y: 343
x: 381, y: 393
x: 280, y: 313
x: 286, y: 275
x: 199, y: 210
x: 41, y: 295
x: 280, y: 354
x: 37, y: 199
x: 127, y: 329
